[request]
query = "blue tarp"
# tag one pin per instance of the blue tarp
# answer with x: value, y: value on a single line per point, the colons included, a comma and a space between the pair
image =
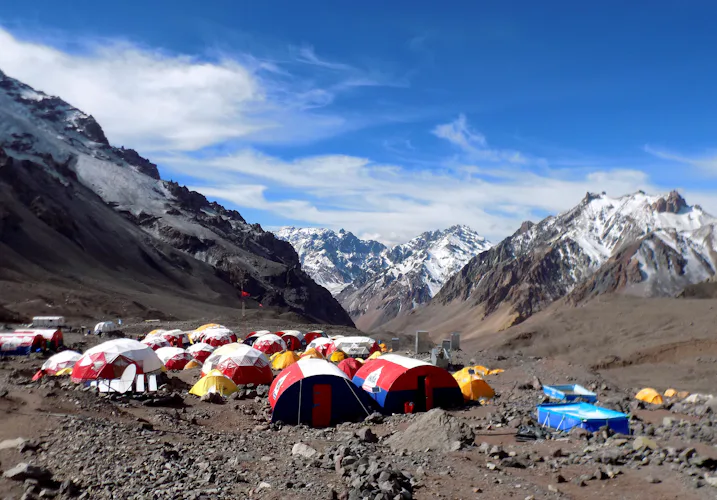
x: 569, y: 392
x: 565, y: 416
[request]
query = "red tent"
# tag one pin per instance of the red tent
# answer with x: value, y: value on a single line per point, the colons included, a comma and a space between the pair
x: 269, y: 344
x: 309, y: 336
x: 350, y: 366
x: 53, y: 336
x: 246, y: 365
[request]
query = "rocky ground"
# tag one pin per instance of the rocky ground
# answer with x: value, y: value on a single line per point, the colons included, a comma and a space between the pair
x: 78, y: 444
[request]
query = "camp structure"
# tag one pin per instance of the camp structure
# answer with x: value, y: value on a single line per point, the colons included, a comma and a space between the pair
x: 200, y: 335
x: 284, y: 359
x: 246, y: 365
x: 192, y: 364
x: 200, y: 351
x: 350, y: 366
x: 108, y: 360
x: 314, y: 334
x: 565, y: 416
x: 105, y: 327
x: 375, y: 355
x: 251, y: 338
x: 211, y: 361
x: 155, y: 342
x: 316, y: 393
x: 174, y: 358
x: 670, y: 393
x: 217, y: 337
x: 214, y: 381
x: 473, y: 387
x: 16, y: 344
x: 569, y: 392
x: 269, y: 344
x: 357, y: 347
x: 649, y: 395
x: 53, y: 336
x: 401, y: 385
x: 48, y: 321
x: 337, y: 356
x: 57, y: 363
x: 176, y: 338
x: 155, y: 333
x: 311, y: 353
x: 294, y: 339
x: 322, y: 345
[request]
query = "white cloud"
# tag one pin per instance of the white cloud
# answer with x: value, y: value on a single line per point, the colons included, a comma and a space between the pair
x: 706, y: 163
x: 396, y: 203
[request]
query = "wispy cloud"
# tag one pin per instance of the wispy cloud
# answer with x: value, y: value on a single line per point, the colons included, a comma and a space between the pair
x: 707, y: 163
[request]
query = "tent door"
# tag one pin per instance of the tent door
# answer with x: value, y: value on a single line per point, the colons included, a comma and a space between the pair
x: 429, y: 394
x: 420, y: 398
x: 321, y: 410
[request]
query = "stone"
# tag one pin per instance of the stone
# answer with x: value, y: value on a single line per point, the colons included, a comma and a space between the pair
x: 366, y: 435
x: 24, y: 471
x: 642, y: 443
x: 559, y: 478
x: 304, y: 450
x: 436, y: 430
x: 652, y: 480
x: 711, y: 480
x: 11, y: 443
x: 668, y: 422
x: 553, y: 488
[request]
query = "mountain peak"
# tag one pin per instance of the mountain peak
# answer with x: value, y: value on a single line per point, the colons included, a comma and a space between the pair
x: 673, y: 203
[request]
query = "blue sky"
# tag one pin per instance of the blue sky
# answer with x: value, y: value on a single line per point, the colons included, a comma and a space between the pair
x: 390, y: 118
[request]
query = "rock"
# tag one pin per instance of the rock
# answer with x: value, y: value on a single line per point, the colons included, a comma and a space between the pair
x: 304, y: 450
x: 366, y: 435
x: 374, y: 418
x: 553, y: 488
x: 24, y: 471
x: 11, y: 443
x: 641, y: 443
x: 559, y: 478
x: 653, y: 480
x: 712, y: 481
x: 213, y: 397
x: 685, y: 455
x: 668, y: 422
x: 262, y: 390
x: 435, y: 430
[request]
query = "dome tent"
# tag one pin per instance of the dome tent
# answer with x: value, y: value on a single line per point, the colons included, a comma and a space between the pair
x: 57, y: 363
x: 214, y: 358
x: 294, y: 339
x: 217, y: 337
x: 269, y: 344
x: 350, y: 366
x: 323, y: 346
x: 214, y: 381
x: 155, y: 342
x: 284, y: 360
x: 311, y: 336
x: 176, y: 338
x: 315, y: 392
x: 109, y: 359
x: 200, y: 351
x: 472, y: 386
x: 357, y: 347
x: 394, y: 381
x: 246, y: 365
x: 174, y: 358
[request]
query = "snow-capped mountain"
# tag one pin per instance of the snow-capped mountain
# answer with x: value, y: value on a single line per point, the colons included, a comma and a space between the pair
x: 641, y: 244
x: 55, y: 157
x: 335, y: 260
x: 374, y: 283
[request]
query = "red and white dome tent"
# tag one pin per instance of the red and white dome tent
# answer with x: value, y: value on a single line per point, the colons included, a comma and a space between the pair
x: 176, y: 338
x: 218, y: 336
x: 155, y: 342
x: 269, y: 344
x: 323, y: 346
x: 315, y: 392
x: 294, y: 339
x: 60, y: 361
x: 357, y: 347
x: 174, y: 358
x: 314, y: 334
x: 215, y: 357
x: 246, y: 365
x: 200, y: 351
x: 251, y: 338
x: 198, y: 334
x: 109, y: 360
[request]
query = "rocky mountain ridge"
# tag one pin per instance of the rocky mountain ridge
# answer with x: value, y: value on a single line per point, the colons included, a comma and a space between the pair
x: 68, y: 147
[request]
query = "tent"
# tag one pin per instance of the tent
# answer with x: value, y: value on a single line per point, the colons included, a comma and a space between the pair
x: 155, y: 342
x: 217, y: 337
x: 350, y: 366
x: 251, y: 338
x: 53, y: 336
x: 473, y: 387
x: 219, y: 352
x: 108, y: 360
x: 200, y: 351
x: 246, y: 365
x: 294, y: 339
x: 400, y: 384
x: 323, y: 346
x: 155, y: 333
x: 670, y: 393
x: 58, y: 362
x: 375, y: 355
x: 649, y: 395
x: 315, y: 334
x: 565, y: 416
x: 192, y: 364
x: 176, y: 338
x: 269, y: 344
x: 315, y: 392
x: 105, y: 327
x: 383, y: 347
x: 17, y: 344
x: 284, y: 359
x: 174, y: 358
x: 48, y: 321
x: 357, y: 347
x: 214, y: 381
x: 337, y: 356
x: 208, y: 325
x: 311, y: 353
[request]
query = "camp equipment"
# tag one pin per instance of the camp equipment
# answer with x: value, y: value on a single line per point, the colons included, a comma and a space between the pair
x: 269, y: 344
x: 155, y: 342
x: 174, y: 358
x: 473, y: 387
x: 565, y: 416
x: 649, y: 395
x: 108, y: 360
x: 569, y: 392
x: 59, y: 362
x: 357, y: 347
x: 284, y: 360
x: 214, y: 381
x: 201, y: 351
x: 246, y: 365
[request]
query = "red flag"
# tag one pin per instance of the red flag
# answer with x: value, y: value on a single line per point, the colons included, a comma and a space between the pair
x: 261, y: 305
x: 245, y: 294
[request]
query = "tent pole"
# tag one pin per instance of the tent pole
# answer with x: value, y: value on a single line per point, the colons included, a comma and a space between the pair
x: 298, y: 416
x: 357, y: 398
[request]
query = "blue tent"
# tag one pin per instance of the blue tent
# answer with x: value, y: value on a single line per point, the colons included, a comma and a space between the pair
x: 565, y: 416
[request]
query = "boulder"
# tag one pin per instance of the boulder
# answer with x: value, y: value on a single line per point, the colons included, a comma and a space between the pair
x: 24, y: 471
x: 304, y: 450
x: 641, y: 443
x: 435, y: 430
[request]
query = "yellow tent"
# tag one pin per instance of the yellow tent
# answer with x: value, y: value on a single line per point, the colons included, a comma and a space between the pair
x: 192, y: 364
x: 312, y: 353
x: 683, y: 394
x: 495, y: 371
x: 337, y: 356
x: 383, y: 347
x: 204, y: 327
x: 64, y: 371
x: 670, y: 393
x: 155, y: 332
x: 214, y: 381
x: 473, y: 386
x: 284, y: 360
x: 374, y: 355
x: 649, y: 395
